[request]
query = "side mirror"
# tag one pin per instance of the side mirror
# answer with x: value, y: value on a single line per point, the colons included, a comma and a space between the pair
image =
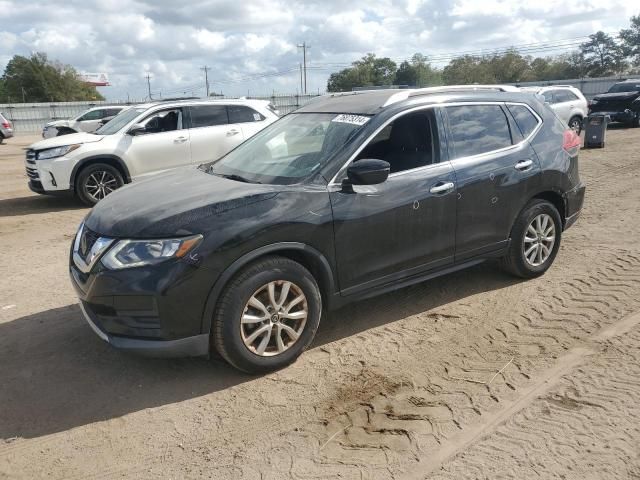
x: 368, y: 171
x: 137, y: 129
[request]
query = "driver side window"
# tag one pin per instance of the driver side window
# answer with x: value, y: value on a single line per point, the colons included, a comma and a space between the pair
x: 406, y: 143
x: 92, y: 115
x: 163, y: 121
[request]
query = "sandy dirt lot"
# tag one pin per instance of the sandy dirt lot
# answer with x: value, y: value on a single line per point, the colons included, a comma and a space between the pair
x: 472, y: 375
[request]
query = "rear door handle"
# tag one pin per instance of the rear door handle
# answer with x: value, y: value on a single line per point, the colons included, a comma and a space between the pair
x: 232, y: 132
x: 523, y: 164
x: 180, y: 140
x: 442, y: 187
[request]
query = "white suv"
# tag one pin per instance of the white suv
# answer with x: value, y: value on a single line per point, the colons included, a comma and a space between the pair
x: 88, y: 121
x: 143, y: 140
x: 566, y: 101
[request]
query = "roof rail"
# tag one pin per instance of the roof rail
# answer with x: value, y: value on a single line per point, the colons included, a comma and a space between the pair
x: 404, y: 94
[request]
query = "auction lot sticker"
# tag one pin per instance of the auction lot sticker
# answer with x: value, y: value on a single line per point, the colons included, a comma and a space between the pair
x: 352, y: 119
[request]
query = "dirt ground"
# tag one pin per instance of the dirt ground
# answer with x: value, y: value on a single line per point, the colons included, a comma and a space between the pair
x: 472, y: 375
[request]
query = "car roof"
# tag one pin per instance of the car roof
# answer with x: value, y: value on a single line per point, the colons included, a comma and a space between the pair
x: 205, y: 101
x: 539, y: 88
x: 371, y: 102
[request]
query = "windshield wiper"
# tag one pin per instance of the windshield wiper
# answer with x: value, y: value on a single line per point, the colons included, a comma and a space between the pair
x: 235, y: 177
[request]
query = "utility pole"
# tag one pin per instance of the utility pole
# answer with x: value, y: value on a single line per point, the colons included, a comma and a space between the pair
x: 206, y: 78
x: 149, y: 85
x: 24, y: 93
x: 304, y: 48
x: 301, y: 84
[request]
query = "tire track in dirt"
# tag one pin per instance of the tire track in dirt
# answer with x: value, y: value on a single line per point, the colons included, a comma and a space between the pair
x: 586, y: 426
x: 395, y: 429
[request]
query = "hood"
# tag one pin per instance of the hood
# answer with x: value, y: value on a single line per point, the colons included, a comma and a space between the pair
x: 59, y: 123
x: 617, y: 96
x: 171, y: 204
x: 63, y: 140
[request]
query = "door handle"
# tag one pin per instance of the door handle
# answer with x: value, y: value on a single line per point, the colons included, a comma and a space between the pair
x: 523, y: 165
x: 233, y: 132
x: 180, y: 140
x: 442, y: 187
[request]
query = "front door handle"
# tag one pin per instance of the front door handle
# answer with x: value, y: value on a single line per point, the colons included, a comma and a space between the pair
x: 524, y: 165
x: 442, y: 187
x: 232, y: 132
x: 180, y: 140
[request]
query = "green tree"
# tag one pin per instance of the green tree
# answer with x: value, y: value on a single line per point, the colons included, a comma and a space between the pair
x: 467, y: 70
x: 603, y: 56
x: 509, y: 67
x: 37, y: 79
x: 630, y: 38
x: 417, y: 72
x: 366, y: 72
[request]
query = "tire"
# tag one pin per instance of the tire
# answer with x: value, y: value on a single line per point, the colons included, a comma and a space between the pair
x: 1, y: 138
x: 239, y: 343
x: 635, y: 123
x: 575, y: 123
x: 97, y: 174
x: 65, y: 131
x: 515, y: 262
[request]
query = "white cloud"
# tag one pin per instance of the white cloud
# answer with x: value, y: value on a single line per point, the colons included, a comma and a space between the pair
x: 247, y: 38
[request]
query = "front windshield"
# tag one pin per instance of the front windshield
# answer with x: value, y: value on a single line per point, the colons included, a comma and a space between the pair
x: 290, y: 150
x: 119, y: 121
x: 625, y: 87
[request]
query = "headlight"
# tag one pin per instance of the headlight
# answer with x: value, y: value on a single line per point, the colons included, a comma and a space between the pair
x: 56, y: 152
x: 138, y: 253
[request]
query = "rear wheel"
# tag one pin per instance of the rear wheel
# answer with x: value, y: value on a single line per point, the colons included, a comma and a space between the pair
x: 267, y: 316
x: 97, y: 181
x: 575, y: 124
x: 535, y: 239
x: 635, y: 123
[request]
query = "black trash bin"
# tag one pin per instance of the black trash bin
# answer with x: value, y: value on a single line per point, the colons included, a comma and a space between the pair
x: 595, y: 130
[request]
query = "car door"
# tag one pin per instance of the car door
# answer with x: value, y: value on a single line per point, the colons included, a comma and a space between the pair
x: 90, y: 121
x: 404, y: 226
x: 164, y: 144
x: 246, y: 119
x: 211, y: 135
x: 496, y: 170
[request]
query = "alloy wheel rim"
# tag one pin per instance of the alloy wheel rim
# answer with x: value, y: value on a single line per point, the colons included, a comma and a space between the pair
x: 100, y: 184
x: 539, y: 240
x: 575, y: 126
x: 274, y: 318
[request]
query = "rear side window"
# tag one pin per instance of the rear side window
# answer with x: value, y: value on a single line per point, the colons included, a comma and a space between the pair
x: 242, y: 114
x: 565, y: 96
x: 527, y: 121
x: 208, y: 115
x: 477, y: 129
x: 111, y: 112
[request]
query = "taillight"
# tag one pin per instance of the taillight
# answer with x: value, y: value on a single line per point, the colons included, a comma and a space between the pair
x: 571, y: 142
x: 6, y: 125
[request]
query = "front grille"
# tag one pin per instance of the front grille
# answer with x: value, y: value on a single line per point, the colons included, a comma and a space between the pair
x: 32, y: 173
x: 89, y: 237
x: 610, y: 105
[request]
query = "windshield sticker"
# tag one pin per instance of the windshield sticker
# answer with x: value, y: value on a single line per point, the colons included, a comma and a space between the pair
x: 256, y: 117
x: 352, y: 119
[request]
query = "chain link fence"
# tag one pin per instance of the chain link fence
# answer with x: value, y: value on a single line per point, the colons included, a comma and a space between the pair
x: 31, y: 117
x: 590, y: 87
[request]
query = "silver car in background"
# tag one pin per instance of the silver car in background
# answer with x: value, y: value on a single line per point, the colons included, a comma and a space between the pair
x: 6, y: 129
x: 88, y: 121
x: 566, y: 101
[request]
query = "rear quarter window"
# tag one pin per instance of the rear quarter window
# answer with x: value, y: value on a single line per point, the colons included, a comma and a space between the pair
x: 526, y: 121
x: 477, y: 129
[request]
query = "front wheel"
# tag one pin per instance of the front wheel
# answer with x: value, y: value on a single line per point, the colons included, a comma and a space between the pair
x: 575, y: 124
x: 97, y: 181
x: 535, y: 240
x: 267, y: 316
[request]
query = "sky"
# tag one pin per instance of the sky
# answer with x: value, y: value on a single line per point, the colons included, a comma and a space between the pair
x: 251, y: 46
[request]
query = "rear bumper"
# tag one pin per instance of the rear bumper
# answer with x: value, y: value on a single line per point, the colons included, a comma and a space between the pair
x: 573, y: 201
x: 195, y: 346
x: 6, y: 133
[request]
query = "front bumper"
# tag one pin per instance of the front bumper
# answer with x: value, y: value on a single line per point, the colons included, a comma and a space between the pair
x: 623, y: 116
x: 195, y: 346
x: 573, y: 199
x: 155, y: 311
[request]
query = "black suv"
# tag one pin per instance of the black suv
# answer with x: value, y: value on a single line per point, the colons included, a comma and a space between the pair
x: 621, y: 103
x: 352, y: 195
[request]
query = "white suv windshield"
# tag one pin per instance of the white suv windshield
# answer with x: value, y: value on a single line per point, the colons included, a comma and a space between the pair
x: 291, y: 149
x: 119, y: 121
